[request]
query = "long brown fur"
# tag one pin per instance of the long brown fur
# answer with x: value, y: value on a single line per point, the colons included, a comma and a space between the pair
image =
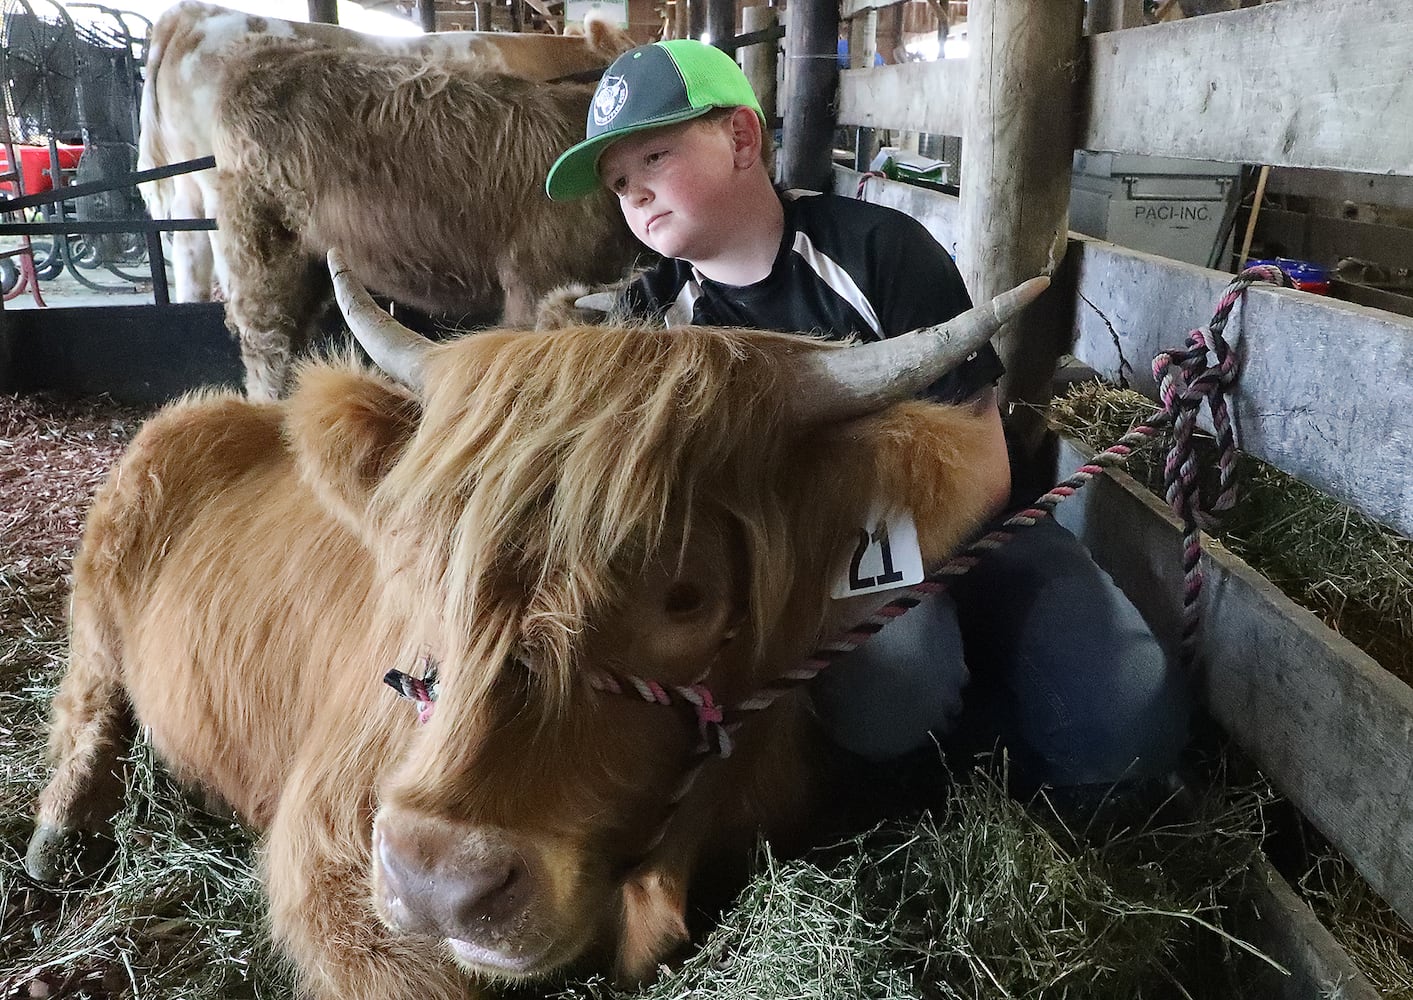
x: 193, y: 44
x: 250, y: 571
x: 427, y: 175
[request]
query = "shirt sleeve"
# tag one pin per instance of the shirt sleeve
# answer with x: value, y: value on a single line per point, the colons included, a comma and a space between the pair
x: 916, y: 285
x: 635, y: 300
x: 649, y: 295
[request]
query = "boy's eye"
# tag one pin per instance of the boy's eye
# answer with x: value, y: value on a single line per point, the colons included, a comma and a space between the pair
x: 652, y: 158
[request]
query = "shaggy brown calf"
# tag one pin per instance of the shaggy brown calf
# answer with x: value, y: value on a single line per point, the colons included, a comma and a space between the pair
x: 427, y: 174
x: 535, y: 512
x: 193, y: 44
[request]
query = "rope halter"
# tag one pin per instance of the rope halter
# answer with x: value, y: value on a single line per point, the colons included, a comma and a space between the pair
x: 710, y: 716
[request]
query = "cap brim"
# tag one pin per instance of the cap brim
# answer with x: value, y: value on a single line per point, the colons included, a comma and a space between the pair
x: 576, y: 172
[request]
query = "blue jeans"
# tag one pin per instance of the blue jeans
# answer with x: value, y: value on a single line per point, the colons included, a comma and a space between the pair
x: 1037, y: 650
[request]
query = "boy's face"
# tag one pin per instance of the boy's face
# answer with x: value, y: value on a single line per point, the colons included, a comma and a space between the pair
x: 675, y: 185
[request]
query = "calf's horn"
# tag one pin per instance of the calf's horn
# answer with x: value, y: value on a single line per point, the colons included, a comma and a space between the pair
x: 841, y: 385
x: 393, y: 347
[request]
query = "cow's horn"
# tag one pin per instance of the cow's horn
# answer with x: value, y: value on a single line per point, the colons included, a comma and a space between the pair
x: 393, y: 347
x: 840, y: 385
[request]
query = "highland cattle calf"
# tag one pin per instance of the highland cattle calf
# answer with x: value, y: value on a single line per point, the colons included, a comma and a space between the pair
x: 559, y: 521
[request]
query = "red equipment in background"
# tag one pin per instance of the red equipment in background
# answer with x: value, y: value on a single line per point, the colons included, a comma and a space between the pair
x: 34, y: 167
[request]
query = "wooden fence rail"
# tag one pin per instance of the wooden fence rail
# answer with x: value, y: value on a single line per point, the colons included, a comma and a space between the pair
x: 1302, y: 83
x: 1330, y: 727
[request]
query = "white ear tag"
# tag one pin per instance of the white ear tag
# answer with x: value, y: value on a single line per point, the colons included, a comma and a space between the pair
x: 885, y: 555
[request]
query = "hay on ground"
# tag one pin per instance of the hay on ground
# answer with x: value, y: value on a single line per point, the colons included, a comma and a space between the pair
x: 1351, y: 571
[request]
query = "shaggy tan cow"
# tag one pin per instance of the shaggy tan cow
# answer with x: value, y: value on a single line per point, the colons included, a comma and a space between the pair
x: 193, y: 43
x: 535, y: 512
x: 429, y: 175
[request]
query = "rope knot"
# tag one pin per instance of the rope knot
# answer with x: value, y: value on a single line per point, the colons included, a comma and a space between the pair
x: 420, y: 690
x: 711, y: 719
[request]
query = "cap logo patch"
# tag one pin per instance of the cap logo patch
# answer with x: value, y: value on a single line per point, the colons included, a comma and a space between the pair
x: 609, y: 100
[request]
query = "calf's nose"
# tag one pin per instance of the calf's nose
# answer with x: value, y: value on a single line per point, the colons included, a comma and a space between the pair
x: 467, y: 889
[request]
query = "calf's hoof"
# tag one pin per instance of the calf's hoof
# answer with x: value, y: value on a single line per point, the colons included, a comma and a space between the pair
x: 57, y: 856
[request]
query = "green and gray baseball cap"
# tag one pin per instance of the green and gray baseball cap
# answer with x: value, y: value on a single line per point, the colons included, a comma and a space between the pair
x: 653, y: 85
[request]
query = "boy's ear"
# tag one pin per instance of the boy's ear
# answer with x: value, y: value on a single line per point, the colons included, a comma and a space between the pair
x: 746, y: 137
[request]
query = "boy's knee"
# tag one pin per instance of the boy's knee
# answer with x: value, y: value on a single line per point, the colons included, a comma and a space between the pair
x: 884, y: 699
x: 1090, y: 695
x: 1106, y: 703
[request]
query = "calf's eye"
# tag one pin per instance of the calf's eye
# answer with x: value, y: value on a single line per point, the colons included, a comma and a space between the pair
x: 682, y: 599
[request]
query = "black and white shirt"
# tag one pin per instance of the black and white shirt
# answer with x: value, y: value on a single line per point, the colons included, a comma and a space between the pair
x: 844, y: 268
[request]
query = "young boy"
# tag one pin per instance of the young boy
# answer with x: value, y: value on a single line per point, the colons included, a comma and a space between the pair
x: 1056, y: 664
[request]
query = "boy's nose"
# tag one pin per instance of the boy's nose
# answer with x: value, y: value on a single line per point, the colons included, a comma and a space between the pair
x: 639, y: 194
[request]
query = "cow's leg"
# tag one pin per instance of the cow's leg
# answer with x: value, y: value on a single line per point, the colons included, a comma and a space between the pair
x: 90, y: 732
x: 220, y: 270
x: 191, y: 252
x: 318, y: 887
x: 522, y: 299
x: 272, y: 291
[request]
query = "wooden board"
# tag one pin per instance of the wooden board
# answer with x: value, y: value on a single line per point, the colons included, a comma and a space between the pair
x: 136, y: 354
x: 937, y: 211
x: 1278, y: 922
x: 916, y: 97
x: 1325, y: 387
x: 851, y: 7
x: 1301, y: 83
x: 1367, y: 189
x: 1322, y: 238
x: 1330, y: 728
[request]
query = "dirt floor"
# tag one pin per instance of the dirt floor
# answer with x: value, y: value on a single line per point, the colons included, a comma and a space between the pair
x: 53, y: 456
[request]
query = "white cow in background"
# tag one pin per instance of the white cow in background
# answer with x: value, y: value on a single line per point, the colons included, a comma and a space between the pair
x: 193, y: 42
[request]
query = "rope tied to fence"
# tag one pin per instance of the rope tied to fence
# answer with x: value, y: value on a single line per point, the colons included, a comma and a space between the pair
x: 1204, y: 371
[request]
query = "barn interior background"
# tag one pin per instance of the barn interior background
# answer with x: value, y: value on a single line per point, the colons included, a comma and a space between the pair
x: 1140, y: 151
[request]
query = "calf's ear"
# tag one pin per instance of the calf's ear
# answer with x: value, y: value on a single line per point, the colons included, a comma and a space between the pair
x: 605, y: 37
x: 654, y: 923
x: 347, y: 427
x: 931, y: 460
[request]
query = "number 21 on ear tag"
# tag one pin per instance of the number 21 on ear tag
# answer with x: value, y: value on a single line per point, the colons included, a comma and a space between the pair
x: 884, y: 555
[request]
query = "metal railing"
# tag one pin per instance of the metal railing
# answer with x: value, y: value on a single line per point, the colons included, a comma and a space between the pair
x: 151, y: 229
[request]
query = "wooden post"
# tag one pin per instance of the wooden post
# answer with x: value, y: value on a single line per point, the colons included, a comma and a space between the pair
x: 517, y: 16
x: 811, y: 61
x: 863, y: 39
x: 427, y: 15
x: 863, y: 46
x: 696, y: 17
x: 758, y: 62
x: 325, y: 11
x: 720, y: 19
x: 1111, y: 15
x: 485, y: 12
x: 1017, y: 146
x: 1251, y: 219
